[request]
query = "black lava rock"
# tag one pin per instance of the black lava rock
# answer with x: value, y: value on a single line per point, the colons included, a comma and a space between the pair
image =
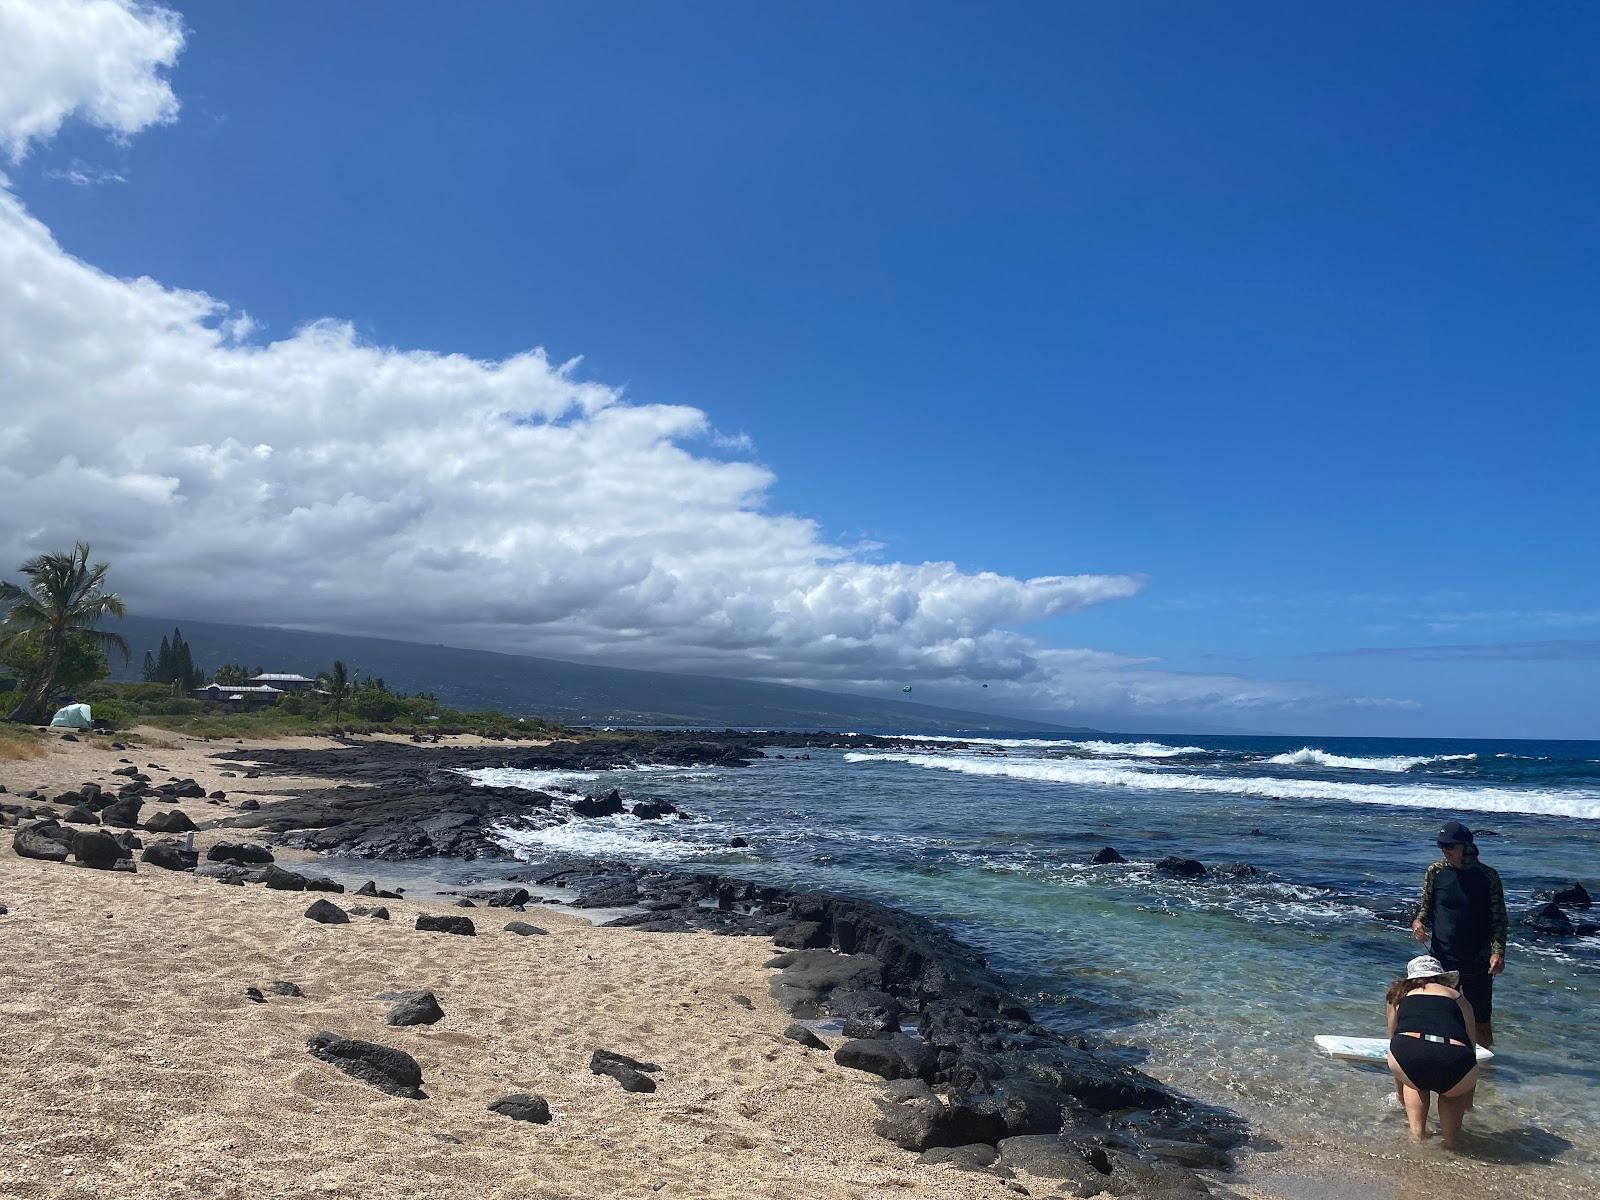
x: 523, y: 929
x: 894, y: 1057
x: 123, y: 813
x: 79, y: 815
x: 1181, y: 868
x: 1107, y: 854
x: 282, y: 987
x: 279, y: 880
x: 653, y: 810
x: 799, y: 1033
x: 95, y: 848
x: 523, y: 1106
x: 418, y: 1008
x: 240, y: 852
x: 1573, y: 895
x: 326, y: 913
x: 629, y: 1072
x: 385, y: 1068
x: 36, y: 841
x: 170, y: 822
x: 170, y: 856
x: 457, y: 925
x: 609, y: 805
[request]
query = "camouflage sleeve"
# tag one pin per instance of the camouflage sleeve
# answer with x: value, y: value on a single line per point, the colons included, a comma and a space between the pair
x: 1425, y: 905
x: 1498, y: 925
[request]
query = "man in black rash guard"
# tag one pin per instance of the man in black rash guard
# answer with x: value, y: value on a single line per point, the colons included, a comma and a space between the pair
x: 1462, y: 917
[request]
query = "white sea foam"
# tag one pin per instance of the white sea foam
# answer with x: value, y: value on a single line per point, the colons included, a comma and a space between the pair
x: 1310, y: 756
x: 539, y: 781
x: 1584, y: 805
x: 1099, y: 749
x: 605, y: 837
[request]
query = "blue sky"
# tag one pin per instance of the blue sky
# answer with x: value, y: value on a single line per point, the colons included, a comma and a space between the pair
x: 1288, y: 312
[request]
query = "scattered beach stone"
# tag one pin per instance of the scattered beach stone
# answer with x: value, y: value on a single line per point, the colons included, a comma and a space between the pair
x: 385, y: 1068
x: 609, y: 805
x: 523, y: 929
x: 170, y: 822
x: 228, y: 873
x: 282, y: 987
x: 523, y: 1106
x: 327, y: 913
x: 321, y: 883
x: 458, y: 925
x: 512, y: 897
x: 79, y: 815
x: 69, y: 737
x: 123, y: 813
x: 3, y: 910
x: 629, y: 1072
x: 745, y: 1002
x: 1572, y: 895
x: 279, y: 880
x: 417, y: 1008
x: 1107, y: 854
x: 1182, y: 868
x: 240, y: 852
x: 170, y: 856
x: 97, y: 849
x: 465, y: 903
x: 249, y: 804
x: 36, y: 841
x: 254, y: 995
x: 799, y: 1033
x: 377, y: 914
x: 218, y: 796
x: 369, y: 888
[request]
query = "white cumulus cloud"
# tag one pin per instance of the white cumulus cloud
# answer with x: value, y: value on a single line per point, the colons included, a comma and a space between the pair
x: 98, y: 59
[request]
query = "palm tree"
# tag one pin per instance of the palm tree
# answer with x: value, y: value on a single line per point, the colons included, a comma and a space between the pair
x: 64, y: 596
x: 337, y: 684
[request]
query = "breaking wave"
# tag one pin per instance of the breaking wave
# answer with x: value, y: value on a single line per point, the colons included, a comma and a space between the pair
x: 1584, y: 805
x: 1310, y: 756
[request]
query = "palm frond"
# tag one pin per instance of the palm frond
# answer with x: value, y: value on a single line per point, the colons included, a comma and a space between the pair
x: 105, y: 639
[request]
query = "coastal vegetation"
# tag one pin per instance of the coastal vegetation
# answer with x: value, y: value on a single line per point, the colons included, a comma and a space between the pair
x: 53, y: 650
x: 64, y: 599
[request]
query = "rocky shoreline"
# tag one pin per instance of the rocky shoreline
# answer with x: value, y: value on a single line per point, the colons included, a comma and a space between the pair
x: 978, y: 1083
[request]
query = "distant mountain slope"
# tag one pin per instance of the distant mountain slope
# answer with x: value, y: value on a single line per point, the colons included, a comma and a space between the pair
x: 572, y: 692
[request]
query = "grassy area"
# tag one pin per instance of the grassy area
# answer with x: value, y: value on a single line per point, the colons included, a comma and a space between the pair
x: 19, y: 742
x: 367, y: 710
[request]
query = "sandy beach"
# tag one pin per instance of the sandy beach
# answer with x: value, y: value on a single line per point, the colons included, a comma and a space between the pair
x: 137, y: 1065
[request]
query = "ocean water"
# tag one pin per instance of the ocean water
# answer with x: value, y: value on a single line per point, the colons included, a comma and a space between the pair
x: 1220, y: 984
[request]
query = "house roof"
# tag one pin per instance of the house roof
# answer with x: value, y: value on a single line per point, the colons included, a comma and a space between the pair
x: 282, y: 678
x: 219, y: 687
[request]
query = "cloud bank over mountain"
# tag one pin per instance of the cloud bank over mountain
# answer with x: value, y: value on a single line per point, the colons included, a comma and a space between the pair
x: 322, y: 481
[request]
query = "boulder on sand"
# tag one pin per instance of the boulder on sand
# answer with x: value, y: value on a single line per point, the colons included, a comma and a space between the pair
x: 325, y: 913
x: 523, y: 929
x: 123, y: 813
x: 170, y: 856
x: 43, y: 840
x: 457, y: 925
x: 385, y: 1068
x: 240, y: 852
x: 416, y: 1008
x: 629, y: 1072
x: 523, y: 1106
x: 170, y: 822
x: 96, y: 848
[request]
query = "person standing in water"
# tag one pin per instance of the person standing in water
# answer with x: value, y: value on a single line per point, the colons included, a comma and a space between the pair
x: 1462, y: 917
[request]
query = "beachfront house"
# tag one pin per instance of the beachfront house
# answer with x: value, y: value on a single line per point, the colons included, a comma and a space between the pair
x: 283, y: 681
x: 239, y: 695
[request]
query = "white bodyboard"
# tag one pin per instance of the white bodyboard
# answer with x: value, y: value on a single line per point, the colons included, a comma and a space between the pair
x: 1369, y: 1049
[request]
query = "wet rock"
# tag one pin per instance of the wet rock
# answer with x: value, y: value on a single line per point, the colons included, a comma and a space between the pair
x: 512, y: 897
x: 94, y: 848
x: 609, y: 805
x: 523, y: 929
x: 1238, y: 870
x: 279, y: 880
x: 653, y: 810
x: 321, y: 883
x: 1050, y: 1156
x: 240, y: 852
x: 42, y: 840
x: 632, y: 1073
x: 738, y: 843
x: 1572, y: 895
x: 809, y: 976
x: 326, y: 913
x: 523, y: 1106
x: 170, y: 856
x: 866, y: 1013
x: 385, y: 1068
x: 417, y: 1008
x: 799, y: 1033
x: 1181, y: 868
x: 1107, y: 854
x: 462, y: 926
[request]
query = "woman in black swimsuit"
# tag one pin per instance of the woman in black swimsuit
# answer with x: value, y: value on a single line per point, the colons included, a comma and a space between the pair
x: 1431, y: 1039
